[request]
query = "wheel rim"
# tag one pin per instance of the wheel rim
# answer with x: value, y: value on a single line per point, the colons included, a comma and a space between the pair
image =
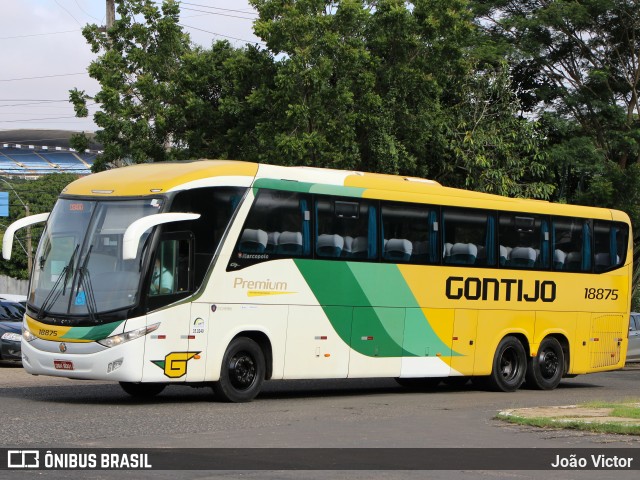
x: 549, y: 364
x: 242, y: 370
x: 509, y: 364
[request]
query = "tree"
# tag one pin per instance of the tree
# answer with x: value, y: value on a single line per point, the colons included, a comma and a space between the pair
x: 379, y: 86
x: 136, y: 70
x: 576, y: 66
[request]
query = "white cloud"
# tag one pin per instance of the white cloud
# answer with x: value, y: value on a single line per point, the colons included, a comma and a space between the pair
x: 27, y: 53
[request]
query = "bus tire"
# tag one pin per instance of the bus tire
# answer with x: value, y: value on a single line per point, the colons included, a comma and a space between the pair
x: 509, y: 366
x: 425, y: 383
x: 242, y: 373
x: 142, y: 390
x: 545, y: 370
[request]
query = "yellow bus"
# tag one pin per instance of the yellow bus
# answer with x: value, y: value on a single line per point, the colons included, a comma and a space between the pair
x: 228, y: 274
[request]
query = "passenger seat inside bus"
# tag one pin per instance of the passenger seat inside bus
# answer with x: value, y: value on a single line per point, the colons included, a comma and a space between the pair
x: 360, y: 247
x: 253, y: 241
x: 523, y: 257
x: 573, y: 262
x: 329, y: 245
x: 603, y: 261
x: 398, y: 249
x: 272, y: 242
x: 559, y: 258
x: 462, y: 254
x: 290, y: 243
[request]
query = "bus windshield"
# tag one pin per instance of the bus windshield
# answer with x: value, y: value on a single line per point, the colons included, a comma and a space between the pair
x: 79, y: 268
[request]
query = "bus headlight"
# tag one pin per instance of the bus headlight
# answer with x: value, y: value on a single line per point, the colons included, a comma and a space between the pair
x: 127, y: 336
x: 27, y: 335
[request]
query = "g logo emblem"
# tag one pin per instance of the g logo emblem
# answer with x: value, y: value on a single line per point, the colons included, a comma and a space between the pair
x: 175, y: 363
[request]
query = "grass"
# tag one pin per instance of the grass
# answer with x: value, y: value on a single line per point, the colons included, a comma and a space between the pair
x: 627, y: 409
x: 623, y: 410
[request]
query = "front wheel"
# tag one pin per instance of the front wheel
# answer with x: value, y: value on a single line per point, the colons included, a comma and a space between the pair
x: 242, y: 373
x: 142, y: 390
x: 509, y: 366
x: 545, y: 370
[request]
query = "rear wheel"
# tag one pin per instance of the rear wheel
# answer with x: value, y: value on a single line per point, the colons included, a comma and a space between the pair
x: 142, y: 390
x: 242, y: 373
x: 509, y: 366
x: 545, y: 370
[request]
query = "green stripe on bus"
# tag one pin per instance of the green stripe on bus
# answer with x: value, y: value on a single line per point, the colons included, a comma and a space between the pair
x: 386, y: 320
x: 91, y: 333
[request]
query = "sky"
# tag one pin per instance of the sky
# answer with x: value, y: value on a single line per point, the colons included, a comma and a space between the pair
x: 44, y: 55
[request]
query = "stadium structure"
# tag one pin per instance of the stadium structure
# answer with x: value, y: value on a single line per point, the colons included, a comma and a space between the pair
x: 33, y: 153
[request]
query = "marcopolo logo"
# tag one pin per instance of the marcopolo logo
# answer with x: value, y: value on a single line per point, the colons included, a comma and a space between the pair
x: 507, y: 289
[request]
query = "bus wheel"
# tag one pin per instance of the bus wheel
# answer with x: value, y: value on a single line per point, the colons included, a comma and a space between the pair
x: 509, y: 366
x: 242, y: 373
x: 142, y: 390
x: 425, y: 383
x: 545, y: 370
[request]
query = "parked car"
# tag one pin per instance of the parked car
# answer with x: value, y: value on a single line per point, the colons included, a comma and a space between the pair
x: 11, y: 314
x: 633, y: 352
x: 12, y: 297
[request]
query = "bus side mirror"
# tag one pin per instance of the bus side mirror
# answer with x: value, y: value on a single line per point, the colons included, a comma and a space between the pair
x: 7, y: 241
x: 134, y: 232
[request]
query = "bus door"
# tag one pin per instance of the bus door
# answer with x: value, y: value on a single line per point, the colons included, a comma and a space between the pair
x: 174, y: 348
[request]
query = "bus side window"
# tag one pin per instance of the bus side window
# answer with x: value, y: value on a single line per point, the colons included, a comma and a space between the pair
x: 571, y: 241
x: 345, y: 228
x: 409, y: 233
x: 524, y: 240
x: 468, y: 237
x: 609, y: 243
x: 278, y: 226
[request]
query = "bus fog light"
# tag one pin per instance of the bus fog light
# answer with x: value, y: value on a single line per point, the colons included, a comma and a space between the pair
x: 127, y: 336
x: 115, y: 365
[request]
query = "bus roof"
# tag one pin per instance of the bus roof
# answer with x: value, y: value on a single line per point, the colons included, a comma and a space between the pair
x: 163, y: 177
x: 159, y: 177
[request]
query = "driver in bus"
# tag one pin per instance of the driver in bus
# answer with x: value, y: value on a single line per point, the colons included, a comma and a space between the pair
x: 161, y: 280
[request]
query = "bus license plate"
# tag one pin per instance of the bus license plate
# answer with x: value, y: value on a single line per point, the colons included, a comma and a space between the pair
x: 63, y: 364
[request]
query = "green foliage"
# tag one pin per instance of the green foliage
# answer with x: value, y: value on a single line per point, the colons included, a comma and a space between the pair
x: 575, y: 67
x: 376, y: 86
x: 38, y: 196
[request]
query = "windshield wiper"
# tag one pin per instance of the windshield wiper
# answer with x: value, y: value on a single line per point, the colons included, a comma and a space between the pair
x: 84, y: 282
x: 54, y: 293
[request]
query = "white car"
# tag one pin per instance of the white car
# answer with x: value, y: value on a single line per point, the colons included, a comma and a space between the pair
x: 633, y: 352
x: 10, y: 297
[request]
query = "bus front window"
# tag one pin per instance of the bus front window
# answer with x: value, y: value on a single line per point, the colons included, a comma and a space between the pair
x: 79, y: 269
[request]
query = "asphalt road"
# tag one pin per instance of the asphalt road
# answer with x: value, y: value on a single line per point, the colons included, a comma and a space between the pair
x: 48, y: 412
